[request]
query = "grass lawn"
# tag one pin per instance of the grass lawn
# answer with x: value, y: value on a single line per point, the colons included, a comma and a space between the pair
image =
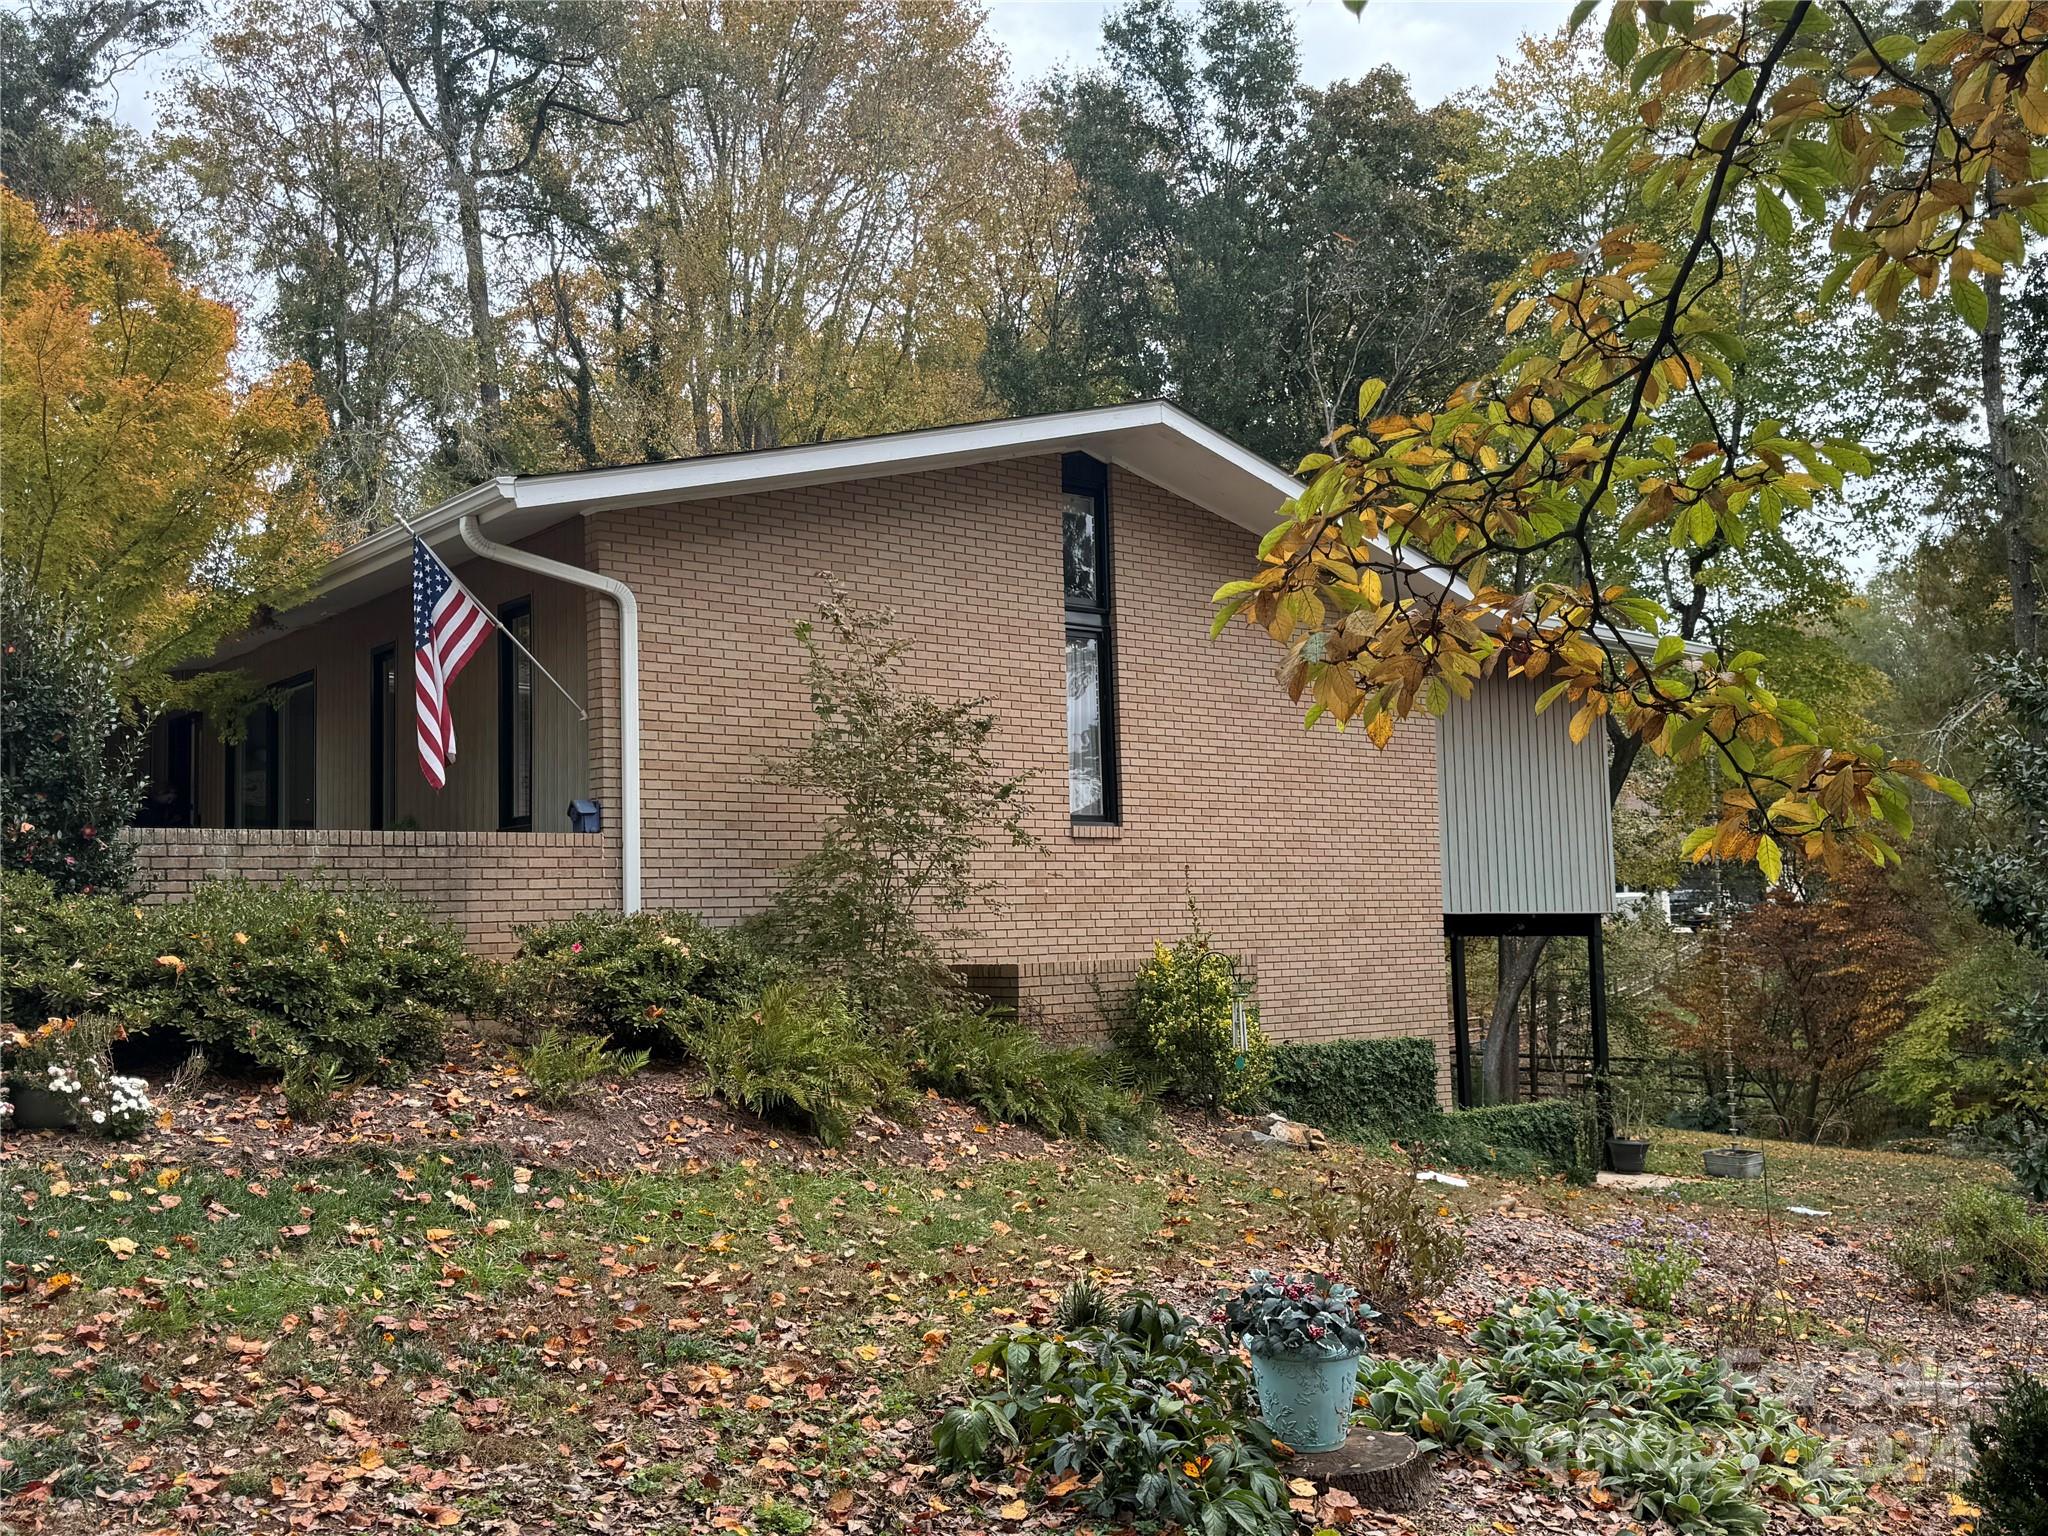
x: 1867, y: 1187
x: 433, y: 1336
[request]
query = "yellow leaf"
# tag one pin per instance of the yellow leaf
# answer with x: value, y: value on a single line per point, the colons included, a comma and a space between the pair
x: 120, y: 1247
x: 60, y: 1281
x: 1016, y: 1509
x: 439, y: 1234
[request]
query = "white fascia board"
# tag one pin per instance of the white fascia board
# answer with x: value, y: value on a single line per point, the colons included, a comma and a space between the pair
x: 1152, y: 439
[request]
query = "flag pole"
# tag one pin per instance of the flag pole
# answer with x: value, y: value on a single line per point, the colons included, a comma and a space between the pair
x: 497, y: 623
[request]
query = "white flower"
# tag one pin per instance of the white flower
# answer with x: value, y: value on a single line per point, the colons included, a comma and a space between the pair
x: 99, y: 1117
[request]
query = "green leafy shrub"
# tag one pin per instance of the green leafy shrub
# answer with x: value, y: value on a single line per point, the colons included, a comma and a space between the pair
x: 1577, y: 1389
x: 268, y: 976
x: 1148, y: 1417
x: 69, y: 753
x: 798, y: 1055
x: 560, y: 1066
x: 1983, y: 1240
x: 67, y: 956
x: 996, y: 1062
x: 1385, y: 1236
x: 1356, y: 1087
x: 2009, y: 1483
x: 1175, y: 1024
x: 910, y: 795
x: 654, y: 978
x: 1658, y: 1261
x: 1518, y: 1138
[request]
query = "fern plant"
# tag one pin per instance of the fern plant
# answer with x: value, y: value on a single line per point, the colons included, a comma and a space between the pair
x: 798, y: 1056
x: 561, y: 1065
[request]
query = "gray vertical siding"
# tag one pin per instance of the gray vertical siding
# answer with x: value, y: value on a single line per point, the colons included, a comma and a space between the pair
x: 1525, y: 817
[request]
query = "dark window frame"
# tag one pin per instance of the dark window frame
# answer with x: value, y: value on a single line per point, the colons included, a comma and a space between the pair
x: 1081, y: 475
x: 383, y: 742
x: 509, y: 660
x: 273, y: 789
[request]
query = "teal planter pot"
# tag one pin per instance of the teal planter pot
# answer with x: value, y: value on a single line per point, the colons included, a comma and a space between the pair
x: 1306, y: 1399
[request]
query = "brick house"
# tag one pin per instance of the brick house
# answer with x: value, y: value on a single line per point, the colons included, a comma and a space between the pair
x: 1059, y: 566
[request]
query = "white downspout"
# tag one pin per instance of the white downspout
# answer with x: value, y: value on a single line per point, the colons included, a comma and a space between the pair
x: 629, y: 685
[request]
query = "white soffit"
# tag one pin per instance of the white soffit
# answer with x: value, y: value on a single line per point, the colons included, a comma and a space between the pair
x: 1151, y: 439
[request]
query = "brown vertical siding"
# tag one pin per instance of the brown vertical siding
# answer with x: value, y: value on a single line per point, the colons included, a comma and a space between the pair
x: 338, y: 652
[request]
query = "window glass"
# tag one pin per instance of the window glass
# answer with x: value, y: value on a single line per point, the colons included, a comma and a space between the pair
x: 516, y: 733
x: 272, y: 779
x: 297, y: 758
x: 1080, y: 537
x: 252, y: 770
x: 383, y: 737
x: 1087, y: 784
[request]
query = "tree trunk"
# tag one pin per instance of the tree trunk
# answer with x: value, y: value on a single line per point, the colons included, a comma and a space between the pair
x: 482, y: 324
x: 2006, y: 494
x: 1518, y: 960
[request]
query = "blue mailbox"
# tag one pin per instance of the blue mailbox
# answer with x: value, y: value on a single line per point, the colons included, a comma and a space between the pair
x: 586, y: 816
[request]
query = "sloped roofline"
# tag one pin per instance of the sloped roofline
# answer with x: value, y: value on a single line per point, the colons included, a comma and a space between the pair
x: 1153, y: 439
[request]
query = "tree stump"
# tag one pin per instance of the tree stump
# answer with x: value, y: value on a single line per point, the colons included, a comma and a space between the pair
x: 1380, y: 1469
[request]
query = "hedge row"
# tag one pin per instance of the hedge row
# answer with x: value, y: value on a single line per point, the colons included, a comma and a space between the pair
x: 1550, y: 1136
x: 1356, y: 1087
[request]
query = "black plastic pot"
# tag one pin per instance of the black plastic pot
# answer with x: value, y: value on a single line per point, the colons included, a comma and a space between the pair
x: 1626, y: 1155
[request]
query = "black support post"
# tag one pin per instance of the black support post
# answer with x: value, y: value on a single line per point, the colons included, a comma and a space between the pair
x: 1603, y: 1092
x: 1461, y: 1023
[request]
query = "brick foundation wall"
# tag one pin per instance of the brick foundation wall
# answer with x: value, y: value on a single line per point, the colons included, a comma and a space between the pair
x: 1309, y: 855
x: 486, y: 883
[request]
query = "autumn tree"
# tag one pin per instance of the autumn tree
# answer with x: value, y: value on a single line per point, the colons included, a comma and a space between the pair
x: 795, y: 239
x: 490, y: 84
x: 1915, y: 155
x: 1803, y: 997
x: 156, y: 502
x: 1248, y: 247
x: 316, y: 188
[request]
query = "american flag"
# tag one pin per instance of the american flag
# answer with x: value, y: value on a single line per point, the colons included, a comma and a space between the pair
x: 447, y: 627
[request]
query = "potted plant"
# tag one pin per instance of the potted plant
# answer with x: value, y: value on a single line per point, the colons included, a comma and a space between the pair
x: 1305, y: 1334
x: 59, y: 1076
x: 1628, y: 1143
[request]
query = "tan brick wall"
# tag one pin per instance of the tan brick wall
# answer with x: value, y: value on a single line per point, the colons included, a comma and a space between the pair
x: 484, y: 882
x: 1308, y: 854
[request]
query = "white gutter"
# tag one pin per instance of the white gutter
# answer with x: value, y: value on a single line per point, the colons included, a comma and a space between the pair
x: 629, y: 685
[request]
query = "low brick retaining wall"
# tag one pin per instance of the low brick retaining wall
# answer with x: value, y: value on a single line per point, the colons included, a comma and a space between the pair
x: 486, y: 883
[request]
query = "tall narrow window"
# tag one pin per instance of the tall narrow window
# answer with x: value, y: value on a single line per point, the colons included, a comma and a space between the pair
x: 1091, y: 672
x: 273, y: 772
x: 383, y: 737
x: 171, y: 762
x: 515, y: 718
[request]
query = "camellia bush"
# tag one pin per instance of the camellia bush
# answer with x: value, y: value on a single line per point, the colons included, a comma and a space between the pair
x: 69, y: 776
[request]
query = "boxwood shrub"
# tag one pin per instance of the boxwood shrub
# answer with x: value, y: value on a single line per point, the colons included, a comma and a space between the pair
x: 273, y: 977
x: 656, y: 979
x: 1546, y: 1136
x: 1356, y: 1087
x: 262, y: 977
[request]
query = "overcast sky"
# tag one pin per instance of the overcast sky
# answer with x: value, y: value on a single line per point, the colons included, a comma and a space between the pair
x: 1441, y: 45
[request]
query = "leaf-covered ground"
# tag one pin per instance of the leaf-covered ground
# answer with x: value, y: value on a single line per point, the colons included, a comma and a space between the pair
x: 448, y: 1309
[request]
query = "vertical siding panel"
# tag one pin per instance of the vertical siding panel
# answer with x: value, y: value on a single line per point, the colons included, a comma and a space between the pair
x: 1525, y: 817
